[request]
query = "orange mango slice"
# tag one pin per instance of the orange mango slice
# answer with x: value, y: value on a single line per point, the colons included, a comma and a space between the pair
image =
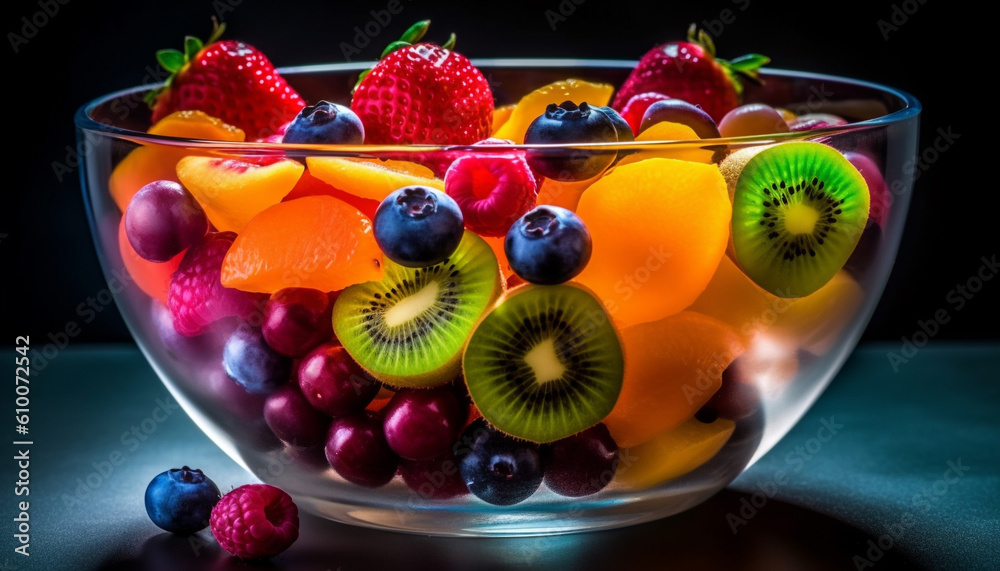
x: 373, y: 179
x: 234, y: 190
x: 501, y: 115
x: 672, y: 367
x: 316, y: 242
x: 533, y: 104
x: 672, y: 453
x: 659, y: 229
x: 150, y: 163
x: 669, y: 131
x: 563, y: 193
x: 308, y: 185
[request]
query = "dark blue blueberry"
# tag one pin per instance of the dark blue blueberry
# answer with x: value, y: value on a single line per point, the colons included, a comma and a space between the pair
x: 252, y: 363
x: 622, y: 130
x: 498, y: 468
x: 566, y: 124
x: 548, y: 245
x: 418, y: 226
x: 325, y: 123
x: 181, y: 501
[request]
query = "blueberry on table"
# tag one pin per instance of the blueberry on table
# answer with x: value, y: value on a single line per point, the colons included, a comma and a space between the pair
x: 548, y: 245
x: 181, y: 500
x: 418, y: 226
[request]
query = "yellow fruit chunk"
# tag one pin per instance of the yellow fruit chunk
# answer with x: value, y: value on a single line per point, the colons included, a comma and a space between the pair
x: 316, y: 242
x: 672, y: 367
x: 565, y: 194
x: 533, y: 104
x: 371, y: 178
x: 669, y: 131
x: 150, y: 163
x: 813, y: 322
x: 501, y: 115
x: 232, y: 191
x: 659, y: 228
x: 672, y: 453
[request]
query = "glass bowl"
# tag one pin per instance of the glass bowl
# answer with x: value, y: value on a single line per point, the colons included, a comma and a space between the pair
x: 791, y: 348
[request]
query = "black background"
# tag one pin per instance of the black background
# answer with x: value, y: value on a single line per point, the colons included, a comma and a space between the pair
x: 88, y: 48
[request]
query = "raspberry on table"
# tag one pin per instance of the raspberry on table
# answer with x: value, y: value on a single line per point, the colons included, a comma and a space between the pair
x: 255, y: 521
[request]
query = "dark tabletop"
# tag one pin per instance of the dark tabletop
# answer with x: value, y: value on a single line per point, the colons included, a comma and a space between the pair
x: 909, y: 478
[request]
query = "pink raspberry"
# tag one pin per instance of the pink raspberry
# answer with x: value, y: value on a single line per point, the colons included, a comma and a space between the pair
x: 636, y: 107
x: 197, y: 298
x: 493, y: 190
x: 255, y: 521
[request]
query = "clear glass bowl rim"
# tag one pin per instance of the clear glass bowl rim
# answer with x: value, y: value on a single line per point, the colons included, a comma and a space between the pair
x: 84, y: 120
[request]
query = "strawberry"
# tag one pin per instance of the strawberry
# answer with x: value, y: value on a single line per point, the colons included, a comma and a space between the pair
x: 230, y: 80
x: 691, y: 72
x: 425, y: 94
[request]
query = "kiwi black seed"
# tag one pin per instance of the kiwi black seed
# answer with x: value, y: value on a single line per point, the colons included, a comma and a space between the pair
x: 545, y: 363
x: 409, y: 329
x: 799, y: 209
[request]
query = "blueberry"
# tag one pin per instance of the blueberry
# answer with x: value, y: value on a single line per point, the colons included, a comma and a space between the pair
x: 418, y: 226
x: 181, y: 500
x: 498, y: 468
x: 252, y: 364
x: 325, y: 123
x: 622, y: 131
x: 566, y: 124
x: 548, y: 245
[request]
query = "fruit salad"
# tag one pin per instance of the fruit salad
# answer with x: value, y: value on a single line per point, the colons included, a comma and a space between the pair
x: 537, y: 298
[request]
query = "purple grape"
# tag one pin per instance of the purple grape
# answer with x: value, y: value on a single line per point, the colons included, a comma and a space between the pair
x: 581, y: 464
x: 297, y: 319
x: 162, y: 220
x: 293, y: 419
x: 421, y: 424
x: 333, y: 383
x: 436, y: 479
x: 357, y: 450
x: 678, y: 111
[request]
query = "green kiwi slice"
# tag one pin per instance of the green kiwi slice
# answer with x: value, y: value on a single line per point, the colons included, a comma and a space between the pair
x: 799, y: 209
x: 546, y: 363
x: 409, y: 329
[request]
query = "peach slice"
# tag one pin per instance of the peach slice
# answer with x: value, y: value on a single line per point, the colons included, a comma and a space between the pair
x: 309, y: 185
x: 672, y: 368
x: 670, y: 131
x: 315, y: 242
x: 659, y: 228
x: 564, y: 194
x: 371, y: 178
x: 234, y: 190
x: 150, y: 163
x: 501, y: 115
x: 672, y: 453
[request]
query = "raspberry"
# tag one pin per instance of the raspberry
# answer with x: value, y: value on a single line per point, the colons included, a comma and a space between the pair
x: 493, y: 190
x: 197, y: 297
x: 255, y: 521
x: 636, y: 108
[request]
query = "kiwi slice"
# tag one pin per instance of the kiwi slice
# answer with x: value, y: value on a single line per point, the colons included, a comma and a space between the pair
x: 546, y: 363
x: 799, y: 209
x: 409, y: 329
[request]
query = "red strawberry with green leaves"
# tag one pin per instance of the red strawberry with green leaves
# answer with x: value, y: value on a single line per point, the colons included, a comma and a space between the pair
x: 691, y: 72
x: 227, y: 79
x: 423, y: 93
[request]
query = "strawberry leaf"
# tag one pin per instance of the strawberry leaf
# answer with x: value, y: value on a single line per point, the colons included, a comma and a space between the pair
x: 192, y: 46
x: 749, y: 63
x: 450, y: 44
x: 171, y: 60
x: 398, y: 44
x: 414, y: 33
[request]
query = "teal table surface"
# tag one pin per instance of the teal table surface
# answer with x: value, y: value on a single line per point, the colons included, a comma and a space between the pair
x: 894, y: 467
